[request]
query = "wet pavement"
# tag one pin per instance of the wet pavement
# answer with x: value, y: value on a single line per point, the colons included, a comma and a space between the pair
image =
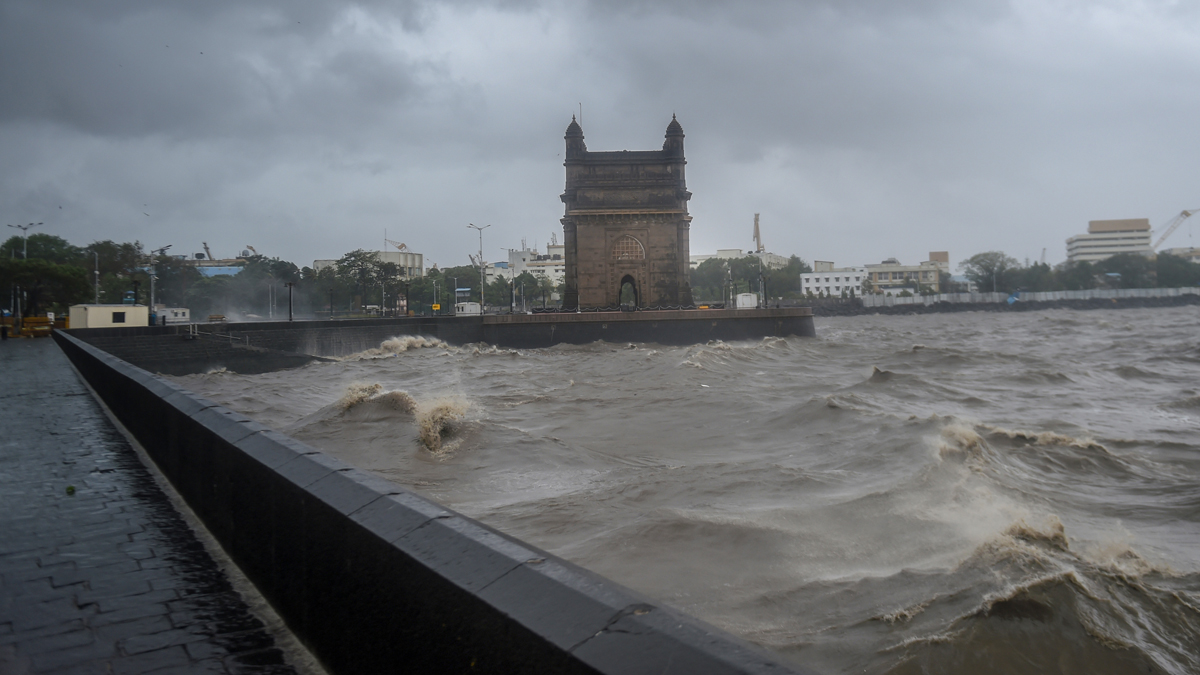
x: 98, y: 571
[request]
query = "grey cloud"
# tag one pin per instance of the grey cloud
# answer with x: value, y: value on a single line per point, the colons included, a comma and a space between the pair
x: 948, y: 121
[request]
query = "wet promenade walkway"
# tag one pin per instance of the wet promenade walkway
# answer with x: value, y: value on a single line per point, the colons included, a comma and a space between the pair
x: 98, y: 572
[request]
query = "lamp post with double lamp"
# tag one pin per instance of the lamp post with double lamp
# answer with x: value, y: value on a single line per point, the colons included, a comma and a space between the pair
x: 24, y: 256
x: 481, y: 229
x: 25, y: 238
x: 154, y: 276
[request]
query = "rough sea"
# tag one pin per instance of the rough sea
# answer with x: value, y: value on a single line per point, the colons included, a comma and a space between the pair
x: 948, y: 493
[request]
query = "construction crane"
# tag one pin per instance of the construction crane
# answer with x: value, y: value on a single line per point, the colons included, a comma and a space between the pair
x: 251, y: 249
x: 759, y: 248
x: 1043, y: 255
x: 398, y: 245
x: 1172, y: 226
x: 206, y: 251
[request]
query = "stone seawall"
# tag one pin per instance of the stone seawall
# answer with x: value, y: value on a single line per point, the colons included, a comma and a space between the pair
x: 374, y: 578
x: 272, y: 345
x: 851, y: 307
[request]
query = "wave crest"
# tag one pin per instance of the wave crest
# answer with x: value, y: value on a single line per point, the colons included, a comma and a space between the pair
x: 438, y: 421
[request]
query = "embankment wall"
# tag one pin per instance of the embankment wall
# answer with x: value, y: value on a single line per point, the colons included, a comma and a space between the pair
x: 375, y: 579
x: 272, y: 345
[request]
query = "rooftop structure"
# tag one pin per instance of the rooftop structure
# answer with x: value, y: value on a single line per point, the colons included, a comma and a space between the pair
x: 722, y: 253
x: 1188, y: 253
x: 1106, y: 238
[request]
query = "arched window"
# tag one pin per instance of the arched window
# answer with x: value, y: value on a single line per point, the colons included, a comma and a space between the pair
x: 628, y: 248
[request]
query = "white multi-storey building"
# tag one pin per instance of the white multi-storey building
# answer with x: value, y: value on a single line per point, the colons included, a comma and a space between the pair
x: 552, y: 264
x: 825, y: 279
x: 1106, y: 238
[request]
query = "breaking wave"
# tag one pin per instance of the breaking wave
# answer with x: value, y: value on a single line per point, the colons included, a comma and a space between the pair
x: 397, y: 345
x: 438, y: 421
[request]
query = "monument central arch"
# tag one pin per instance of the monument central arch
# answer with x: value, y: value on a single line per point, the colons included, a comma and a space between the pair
x: 625, y: 220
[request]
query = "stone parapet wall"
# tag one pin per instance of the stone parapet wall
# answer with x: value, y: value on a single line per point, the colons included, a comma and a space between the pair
x: 373, y: 578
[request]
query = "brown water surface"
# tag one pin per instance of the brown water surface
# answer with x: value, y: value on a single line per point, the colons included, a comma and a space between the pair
x: 982, y: 493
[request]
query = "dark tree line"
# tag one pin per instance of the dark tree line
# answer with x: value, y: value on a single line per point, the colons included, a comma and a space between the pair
x: 56, y: 274
x: 995, y: 270
x: 714, y: 279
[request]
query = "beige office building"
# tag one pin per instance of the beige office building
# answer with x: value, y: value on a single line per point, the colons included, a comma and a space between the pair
x: 890, y: 276
x: 1107, y: 238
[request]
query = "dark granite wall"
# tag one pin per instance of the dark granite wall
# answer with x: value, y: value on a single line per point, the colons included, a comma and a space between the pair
x: 375, y: 579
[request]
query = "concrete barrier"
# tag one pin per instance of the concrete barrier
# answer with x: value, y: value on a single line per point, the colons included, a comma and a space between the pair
x: 375, y: 579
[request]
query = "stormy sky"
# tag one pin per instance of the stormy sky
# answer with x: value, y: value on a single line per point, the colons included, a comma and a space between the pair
x: 860, y: 129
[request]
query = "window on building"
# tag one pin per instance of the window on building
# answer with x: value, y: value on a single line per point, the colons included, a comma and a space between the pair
x: 118, y: 317
x: 628, y: 248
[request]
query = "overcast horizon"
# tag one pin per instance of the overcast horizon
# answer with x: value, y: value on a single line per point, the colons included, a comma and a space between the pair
x: 859, y: 130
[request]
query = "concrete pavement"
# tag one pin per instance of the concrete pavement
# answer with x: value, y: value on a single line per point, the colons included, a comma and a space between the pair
x: 98, y: 572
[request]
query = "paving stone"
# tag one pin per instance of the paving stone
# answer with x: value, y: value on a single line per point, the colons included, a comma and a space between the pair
x: 109, y: 579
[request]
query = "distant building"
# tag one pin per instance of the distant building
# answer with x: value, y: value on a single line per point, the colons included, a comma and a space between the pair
x: 771, y: 260
x: 1106, y: 238
x: 1187, y: 253
x: 890, y: 276
x: 722, y: 253
x: 552, y: 264
x: 832, y: 281
x: 217, y: 270
x: 410, y: 264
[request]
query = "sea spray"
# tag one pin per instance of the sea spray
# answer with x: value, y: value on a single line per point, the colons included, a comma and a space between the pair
x: 397, y: 345
x: 357, y: 393
x: 437, y: 421
x: 360, y: 393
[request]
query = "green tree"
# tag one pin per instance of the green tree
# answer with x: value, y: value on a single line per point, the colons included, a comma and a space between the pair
x: 1137, y: 271
x: 210, y: 295
x: 990, y: 271
x: 1037, y: 277
x: 1176, y: 272
x: 45, y: 285
x: 1076, y: 276
x: 42, y: 246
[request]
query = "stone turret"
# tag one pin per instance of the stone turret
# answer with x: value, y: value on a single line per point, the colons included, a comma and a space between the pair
x: 673, y: 146
x: 574, y: 137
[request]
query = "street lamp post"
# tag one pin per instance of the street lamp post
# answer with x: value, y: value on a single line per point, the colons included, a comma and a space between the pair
x: 25, y: 238
x: 481, y: 229
x: 154, y: 275
x: 289, y: 285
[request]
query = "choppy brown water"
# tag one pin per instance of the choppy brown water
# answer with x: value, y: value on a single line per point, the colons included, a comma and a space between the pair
x: 982, y: 493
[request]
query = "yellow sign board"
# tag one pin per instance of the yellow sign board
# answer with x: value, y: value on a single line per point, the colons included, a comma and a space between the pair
x: 436, y: 307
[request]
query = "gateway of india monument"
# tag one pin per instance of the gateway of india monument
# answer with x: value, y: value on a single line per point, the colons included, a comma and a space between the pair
x: 626, y: 224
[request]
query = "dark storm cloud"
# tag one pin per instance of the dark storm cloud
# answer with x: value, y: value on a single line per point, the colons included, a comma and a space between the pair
x: 188, y: 69
x: 851, y: 125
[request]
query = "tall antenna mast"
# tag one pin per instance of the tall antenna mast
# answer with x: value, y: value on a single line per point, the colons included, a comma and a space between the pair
x: 758, y: 237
